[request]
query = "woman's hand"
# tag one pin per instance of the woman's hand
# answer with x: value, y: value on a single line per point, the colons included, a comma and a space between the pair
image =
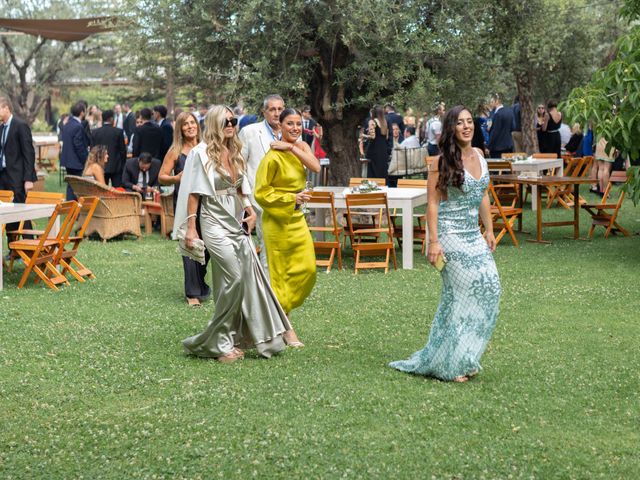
x: 491, y: 240
x: 302, y: 197
x: 280, y: 145
x: 178, y: 177
x: 190, y: 235
x: 435, y: 250
x: 250, y: 218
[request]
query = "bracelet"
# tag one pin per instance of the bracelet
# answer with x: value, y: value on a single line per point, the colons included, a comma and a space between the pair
x: 433, y: 242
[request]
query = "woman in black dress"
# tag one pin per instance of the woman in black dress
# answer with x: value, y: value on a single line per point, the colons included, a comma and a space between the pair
x: 549, y: 138
x: 377, y: 148
x: 186, y: 135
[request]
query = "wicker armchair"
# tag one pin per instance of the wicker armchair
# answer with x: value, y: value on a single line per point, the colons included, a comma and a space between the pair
x: 117, y: 212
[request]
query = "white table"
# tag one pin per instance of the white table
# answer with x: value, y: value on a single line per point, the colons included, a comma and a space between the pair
x: 16, y: 212
x: 537, y: 165
x: 406, y: 199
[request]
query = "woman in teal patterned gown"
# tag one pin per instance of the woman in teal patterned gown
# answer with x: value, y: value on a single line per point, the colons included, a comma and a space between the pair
x: 466, y: 316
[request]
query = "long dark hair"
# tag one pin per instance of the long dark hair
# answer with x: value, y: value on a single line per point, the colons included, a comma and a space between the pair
x: 450, y: 166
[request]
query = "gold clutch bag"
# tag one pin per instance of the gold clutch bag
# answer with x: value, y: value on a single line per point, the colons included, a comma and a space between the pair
x: 440, y: 262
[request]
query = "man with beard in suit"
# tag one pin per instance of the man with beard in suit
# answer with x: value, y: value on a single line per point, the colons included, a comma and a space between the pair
x: 148, y: 136
x: 500, y: 140
x: 113, y: 138
x: 141, y: 173
x: 17, y: 156
x: 308, y: 124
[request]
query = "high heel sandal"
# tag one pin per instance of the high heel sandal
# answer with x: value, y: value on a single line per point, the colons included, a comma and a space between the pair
x: 232, y: 356
x: 291, y: 339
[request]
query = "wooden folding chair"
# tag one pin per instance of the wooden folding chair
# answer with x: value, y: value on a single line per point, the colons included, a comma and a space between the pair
x: 38, y: 254
x: 563, y: 194
x: 325, y: 246
x: 606, y: 214
x: 544, y: 155
x: 375, y: 217
x: 66, y: 255
x: 36, y: 198
x: 504, y: 212
x: 7, y: 197
x: 419, y: 229
x: 386, y: 247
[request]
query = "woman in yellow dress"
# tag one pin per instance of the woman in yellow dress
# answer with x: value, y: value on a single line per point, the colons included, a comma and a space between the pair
x: 279, y: 189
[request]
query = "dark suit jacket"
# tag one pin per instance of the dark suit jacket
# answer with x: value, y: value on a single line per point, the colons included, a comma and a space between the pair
x: 500, y: 133
x: 167, y: 135
x: 148, y: 138
x: 393, y: 117
x: 308, y: 137
x: 132, y: 170
x: 20, y: 158
x: 113, y: 139
x: 129, y: 124
x: 75, y: 145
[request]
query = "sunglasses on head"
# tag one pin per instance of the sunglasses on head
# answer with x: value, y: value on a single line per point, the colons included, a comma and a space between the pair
x: 230, y: 122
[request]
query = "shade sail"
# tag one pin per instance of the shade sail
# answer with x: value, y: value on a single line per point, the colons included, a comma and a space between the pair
x: 68, y: 30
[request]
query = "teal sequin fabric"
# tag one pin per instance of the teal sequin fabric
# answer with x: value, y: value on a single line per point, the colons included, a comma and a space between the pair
x: 469, y: 302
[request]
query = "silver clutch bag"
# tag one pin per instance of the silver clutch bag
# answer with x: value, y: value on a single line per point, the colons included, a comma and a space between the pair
x: 197, y: 249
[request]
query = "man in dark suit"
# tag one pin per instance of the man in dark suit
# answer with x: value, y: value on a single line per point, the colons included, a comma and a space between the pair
x: 160, y: 117
x: 141, y: 173
x: 75, y: 145
x: 393, y: 117
x: 129, y: 122
x: 113, y: 138
x: 17, y: 156
x: 500, y: 140
x: 148, y: 136
x: 308, y: 124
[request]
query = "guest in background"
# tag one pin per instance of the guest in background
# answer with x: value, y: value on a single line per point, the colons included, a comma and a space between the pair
x: 141, y: 174
x: 434, y: 130
x: 137, y: 119
x: 17, y: 157
x: 604, y: 157
x: 118, y: 117
x: 574, y: 145
x: 469, y: 302
x: 129, y: 122
x: 565, y: 134
x: 308, y: 125
x: 94, y: 117
x: 113, y: 138
x: 160, y: 117
x: 148, y: 137
x: 214, y: 189
x: 75, y: 145
x: 500, y: 140
x: 378, y: 148
x: 280, y: 191
x: 97, y: 160
x: 410, y: 139
x: 480, y: 120
x: 409, y: 118
x: 62, y: 121
x: 186, y: 136
x: 549, y: 137
x: 396, y: 135
x: 393, y: 117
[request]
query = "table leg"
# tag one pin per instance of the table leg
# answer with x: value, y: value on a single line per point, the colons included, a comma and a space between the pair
x: 535, y: 198
x: 1, y: 259
x: 521, y: 205
x: 538, y: 220
x: 407, y: 237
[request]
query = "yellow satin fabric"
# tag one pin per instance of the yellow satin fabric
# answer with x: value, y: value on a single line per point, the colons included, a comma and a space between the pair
x: 290, y: 254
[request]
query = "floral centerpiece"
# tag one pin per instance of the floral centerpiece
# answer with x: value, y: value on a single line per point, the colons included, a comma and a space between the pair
x: 366, y: 186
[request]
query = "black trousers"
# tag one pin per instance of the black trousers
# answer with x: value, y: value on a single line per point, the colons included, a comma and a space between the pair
x: 115, y: 178
x: 77, y: 173
x: 195, y: 274
x: 498, y: 153
x: 19, y: 196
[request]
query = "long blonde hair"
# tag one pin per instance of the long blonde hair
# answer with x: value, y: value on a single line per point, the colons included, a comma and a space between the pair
x: 178, y: 136
x: 98, y: 154
x: 214, y: 123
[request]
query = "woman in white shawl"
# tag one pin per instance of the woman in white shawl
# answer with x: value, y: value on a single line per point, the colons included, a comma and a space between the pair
x: 247, y: 313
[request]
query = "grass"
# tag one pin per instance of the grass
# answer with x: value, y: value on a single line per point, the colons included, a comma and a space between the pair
x: 94, y: 383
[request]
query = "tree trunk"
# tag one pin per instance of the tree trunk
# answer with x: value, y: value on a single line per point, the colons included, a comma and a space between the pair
x: 524, y: 82
x: 171, y: 90
x: 341, y: 143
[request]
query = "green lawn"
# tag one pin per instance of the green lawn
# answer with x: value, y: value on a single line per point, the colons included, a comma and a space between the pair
x: 94, y: 384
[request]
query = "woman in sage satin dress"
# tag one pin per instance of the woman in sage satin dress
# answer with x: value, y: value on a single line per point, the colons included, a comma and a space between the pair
x: 280, y: 184
x: 186, y: 135
x: 466, y: 316
x: 247, y: 313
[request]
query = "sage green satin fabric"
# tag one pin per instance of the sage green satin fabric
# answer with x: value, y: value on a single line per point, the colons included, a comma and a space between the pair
x: 247, y: 313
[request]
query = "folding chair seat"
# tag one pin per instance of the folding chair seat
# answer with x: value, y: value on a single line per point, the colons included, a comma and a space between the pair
x: 66, y: 256
x: 384, y: 246
x: 374, y: 217
x: 606, y: 214
x: 546, y: 156
x: 563, y: 194
x: 504, y: 212
x: 325, y: 246
x: 38, y: 254
x: 36, y: 198
x: 420, y: 228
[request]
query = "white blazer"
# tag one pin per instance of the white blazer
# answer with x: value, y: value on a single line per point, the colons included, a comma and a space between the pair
x: 256, y: 141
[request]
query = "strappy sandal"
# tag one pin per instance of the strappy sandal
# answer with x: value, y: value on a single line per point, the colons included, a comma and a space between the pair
x: 193, y: 302
x: 291, y: 339
x: 231, y: 357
